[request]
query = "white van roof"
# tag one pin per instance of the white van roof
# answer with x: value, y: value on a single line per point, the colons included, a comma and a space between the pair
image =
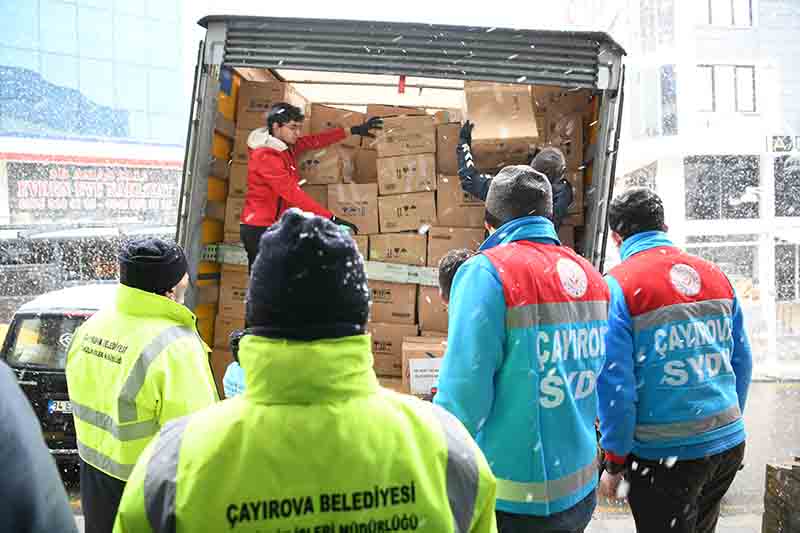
x: 84, y: 298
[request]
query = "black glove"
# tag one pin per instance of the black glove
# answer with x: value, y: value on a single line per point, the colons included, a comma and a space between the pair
x: 465, y: 135
x: 373, y: 123
x: 234, y: 338
x: 342, y: 222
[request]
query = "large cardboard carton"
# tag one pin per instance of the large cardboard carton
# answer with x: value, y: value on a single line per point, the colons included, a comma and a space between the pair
x: 575, y: 178
x: 232, y: 237
x: 549, y: 99
x: 237, y: 180
x: 405, y: 135
x: 362, y: 243
x: 406, y: 173
x: 427, y: 333
x: 366, y: 168
x: 455, y: 207
x: 391, y: 383
x: 490, y: 156
x: 442, y: 239
x: 356, y: 203
x: 318, y: 192
x: 407, y: 212
x: 220, y: 359
x: 240, y: 153
x: 432, y: 309
x: 395, y: 303
x: 446, y: 144
x: 400, y: 248
x: 566, y: 133
x: 233, y: 214
x: 256, y: 98
x: 387, y: 346
x: 448, y: 115
x: 325, y: 117
x: 422, y: 358
x: 333, y: 164
x: 500, y: 110
x: 378, y: 110
x: 233, y: 290
x: 223, y: 327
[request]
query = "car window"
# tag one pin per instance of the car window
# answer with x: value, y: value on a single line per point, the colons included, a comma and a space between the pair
x: 43, y: 341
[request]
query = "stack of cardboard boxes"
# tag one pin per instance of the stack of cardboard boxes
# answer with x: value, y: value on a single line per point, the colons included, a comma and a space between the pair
x: 403, y: 192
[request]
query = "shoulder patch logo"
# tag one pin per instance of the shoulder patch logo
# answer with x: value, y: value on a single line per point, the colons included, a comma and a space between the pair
x: 573, y: 278
x: 685, y: 279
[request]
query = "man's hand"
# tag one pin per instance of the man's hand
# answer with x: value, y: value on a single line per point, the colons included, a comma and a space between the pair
x: 465, y: 135
x: 342, y: 222
x: 365, y: 129
x: 613, y: 486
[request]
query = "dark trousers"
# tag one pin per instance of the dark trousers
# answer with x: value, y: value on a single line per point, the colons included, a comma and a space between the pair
x: 573, y: 520
x: 683, y: 497
x: 100, y: 497
x: 250, y: 236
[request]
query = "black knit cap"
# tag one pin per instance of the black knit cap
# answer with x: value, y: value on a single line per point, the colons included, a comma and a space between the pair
x: 636, y: 210
x: 152, y: 265
x: 307, y: 282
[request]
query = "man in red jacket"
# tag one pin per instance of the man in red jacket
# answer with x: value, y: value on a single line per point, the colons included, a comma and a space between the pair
x: 272, y: 176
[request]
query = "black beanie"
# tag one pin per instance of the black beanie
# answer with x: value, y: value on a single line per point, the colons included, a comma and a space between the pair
x: 151, y: 265
x: 307, y: 282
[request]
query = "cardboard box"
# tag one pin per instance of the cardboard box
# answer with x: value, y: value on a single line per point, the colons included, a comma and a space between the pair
x: 443, y: 239
x: 432, y: 309
x: 325, y: 117
x: 256, y: 98
x: 422, y: 358
x: 240, y: 152
x: 407, y: 212
x: 392, y: 383
x: 491, y: 156
x: 575, y: 178
x: 387, y: 346
x: 223, y: 327
x: 406, y: 136
x: 440, y: 334
x: 356, y: 203
x: 456, y: 208
x: 448, y: 115
x: 233, y: 214
x: 500, y: 111
x: 232, y: 237
x: 318, y: 192
x: 220, y: 359
x: 394, y: 303
x: 366, y: 166
x: 566, y: 234
x: 566, y: 132
x: 362, y: 243
x: 237, y: 180
x: 333, y: 164
x: 547, y: 98
x: 406, y: 173
x: 446, y: 144
x: 378, y: 110
x: 401, y: 248
x: 233, y: 290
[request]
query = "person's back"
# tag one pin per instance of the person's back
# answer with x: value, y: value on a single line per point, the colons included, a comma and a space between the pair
x: 313, y: 442
x: 527, y: 319
x: 674, y: 387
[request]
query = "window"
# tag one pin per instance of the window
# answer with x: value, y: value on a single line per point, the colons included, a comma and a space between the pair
x: 787, y: 189
x: 722, y: 187
x: 655, y: 103
x: 786, y: 272
x: 726, y: 88
x: 657, y: 20
x: 726, y: 12
x: 43, y: 340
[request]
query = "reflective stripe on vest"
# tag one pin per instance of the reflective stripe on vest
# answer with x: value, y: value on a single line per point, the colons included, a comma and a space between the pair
x: 136, y: 378
x: 528, y: 316
x: 160, y: 478
x: 682, y: 312
x: 462, y: 470
x: 103, y: 462
x: 676, y: 430
x: 546, y: 491
x: 125, y: 432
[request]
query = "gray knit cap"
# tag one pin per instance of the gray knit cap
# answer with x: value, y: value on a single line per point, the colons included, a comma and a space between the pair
x: 550, y: 162
x: 519, y: 191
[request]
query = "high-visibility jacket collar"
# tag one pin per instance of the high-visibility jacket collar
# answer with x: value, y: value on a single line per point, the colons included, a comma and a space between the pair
x: 279, y: 371
x: 132, y: 301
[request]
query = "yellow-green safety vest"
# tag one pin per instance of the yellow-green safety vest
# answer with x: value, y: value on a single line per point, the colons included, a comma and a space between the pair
x: 131, y: 368
x: 313, y: 445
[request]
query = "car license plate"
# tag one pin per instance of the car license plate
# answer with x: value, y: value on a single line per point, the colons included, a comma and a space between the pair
x: 59, y: 406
